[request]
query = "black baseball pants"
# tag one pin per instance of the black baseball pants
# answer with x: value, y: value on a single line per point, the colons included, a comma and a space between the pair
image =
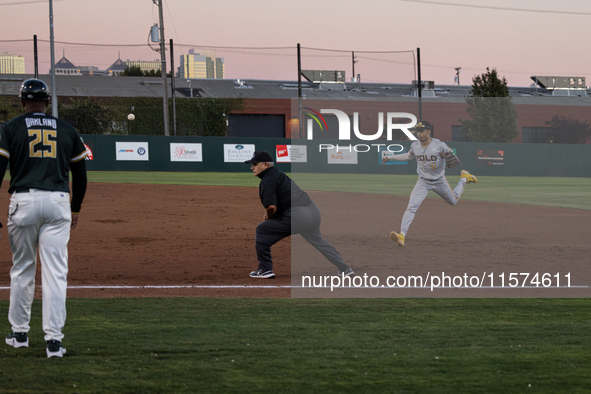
x: 299, y: 220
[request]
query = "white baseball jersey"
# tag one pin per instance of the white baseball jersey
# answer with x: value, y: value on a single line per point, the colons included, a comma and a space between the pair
x: 430, y: 161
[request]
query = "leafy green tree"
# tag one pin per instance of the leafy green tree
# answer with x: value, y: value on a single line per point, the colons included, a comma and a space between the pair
x: 87, y: 116
x: 9, y: 108
x: 135, y: 71
x: 132, y: 71
x: 568, y: 131
x: 153, y: 73
x: 494, y: 118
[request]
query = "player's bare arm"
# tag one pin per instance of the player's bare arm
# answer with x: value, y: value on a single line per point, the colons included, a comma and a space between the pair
x: 401, y: 157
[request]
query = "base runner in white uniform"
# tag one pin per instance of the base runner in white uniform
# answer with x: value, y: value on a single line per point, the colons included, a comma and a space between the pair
x: 42, y: 151
x: 431, y: 163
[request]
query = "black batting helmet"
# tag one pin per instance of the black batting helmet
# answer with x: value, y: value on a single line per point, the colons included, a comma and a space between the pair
x: 34, y: 90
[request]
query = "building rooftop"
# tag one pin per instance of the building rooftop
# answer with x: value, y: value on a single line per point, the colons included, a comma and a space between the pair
x: 117, y: 86
x: 64, y: 63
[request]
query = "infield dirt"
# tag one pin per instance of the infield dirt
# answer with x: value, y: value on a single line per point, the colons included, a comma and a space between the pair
x: 145, y: 235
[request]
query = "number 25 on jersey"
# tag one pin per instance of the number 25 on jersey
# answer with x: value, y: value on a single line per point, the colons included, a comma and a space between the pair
x: 48, y: 145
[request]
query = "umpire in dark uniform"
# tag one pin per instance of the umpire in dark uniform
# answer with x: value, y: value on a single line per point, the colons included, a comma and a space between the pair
x: 289, y: 210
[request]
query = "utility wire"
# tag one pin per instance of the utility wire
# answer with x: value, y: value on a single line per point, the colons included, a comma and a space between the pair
x: 210, y: 47
x: 26, y: 2
x: 487, y: 7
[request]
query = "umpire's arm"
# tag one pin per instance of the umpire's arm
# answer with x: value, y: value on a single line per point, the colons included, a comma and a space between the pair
x: 79, y: 181
x: 271, y: 209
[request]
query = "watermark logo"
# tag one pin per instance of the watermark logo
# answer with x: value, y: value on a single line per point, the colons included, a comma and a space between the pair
x: 315, y: 115
x: 392, y: 124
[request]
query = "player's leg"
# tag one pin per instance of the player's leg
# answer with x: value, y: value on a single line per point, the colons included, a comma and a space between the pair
x: 268, y: 233
x: 53, y: 253
x: 306, y: 222
x: 450, y: 196
x: 23, y: 229
x: 418, y: 195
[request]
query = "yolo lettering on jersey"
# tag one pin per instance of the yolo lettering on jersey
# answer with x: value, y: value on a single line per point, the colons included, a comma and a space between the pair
x: 426, y: 158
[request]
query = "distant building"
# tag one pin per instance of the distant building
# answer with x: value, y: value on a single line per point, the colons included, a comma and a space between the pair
x: 65, y: 67
x: 119, y: 66
x: 91, y: 70
x: 11, y: 63
x: 201, y: 65
x: 116, y: 68
x: 145, y: 65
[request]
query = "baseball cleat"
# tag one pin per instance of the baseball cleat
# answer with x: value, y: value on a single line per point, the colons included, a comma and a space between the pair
x: 55, y: 349
x: 17, y: 339
x: 469, y: 177
x: 398, y: 238
x: 347, y: 272
x: 262, y: 275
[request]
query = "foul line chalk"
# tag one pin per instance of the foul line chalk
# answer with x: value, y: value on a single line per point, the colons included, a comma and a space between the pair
x: 300, y: 287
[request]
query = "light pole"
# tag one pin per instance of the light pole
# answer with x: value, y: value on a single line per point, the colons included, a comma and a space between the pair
x: 52, y: 50
x: 163, y: 67
x: 190, y: 89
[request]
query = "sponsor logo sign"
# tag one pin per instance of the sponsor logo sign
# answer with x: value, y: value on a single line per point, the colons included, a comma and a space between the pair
x: 291, y: 153
x: 490, y: 157
x: 186, y: 152
x: 341, y: 156
x: 89, y: 154
x: 132, y: 151
x: 238, y: 153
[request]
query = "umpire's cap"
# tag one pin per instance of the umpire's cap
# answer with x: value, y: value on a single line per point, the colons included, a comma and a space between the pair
x: 34, y: 90
x: 260, y: 156
x: 422, y: 125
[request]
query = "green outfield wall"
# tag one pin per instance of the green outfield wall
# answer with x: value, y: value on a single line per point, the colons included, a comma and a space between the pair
x: 226, y: 154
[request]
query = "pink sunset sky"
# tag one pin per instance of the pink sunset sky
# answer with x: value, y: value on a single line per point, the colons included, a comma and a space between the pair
x: 549, y: 39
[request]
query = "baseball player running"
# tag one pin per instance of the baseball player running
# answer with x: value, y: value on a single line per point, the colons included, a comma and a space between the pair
x: 41, y: 150
x: 433, y: 156
x: 288, y: 210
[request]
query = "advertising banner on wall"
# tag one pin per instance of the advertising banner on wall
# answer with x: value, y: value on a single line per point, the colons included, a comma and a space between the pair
x: 238, y: 153
x: 341, y: 156
x: 186, y: 152
x: 291, y: 153
x: 132, y: 151
x: 490, y: 157
x: 89, y: 147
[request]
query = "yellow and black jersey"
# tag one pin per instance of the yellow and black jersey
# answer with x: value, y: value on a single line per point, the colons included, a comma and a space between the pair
x: 40, y: 149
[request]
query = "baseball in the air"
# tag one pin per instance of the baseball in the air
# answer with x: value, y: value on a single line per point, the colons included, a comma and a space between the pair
x: 131, y: 117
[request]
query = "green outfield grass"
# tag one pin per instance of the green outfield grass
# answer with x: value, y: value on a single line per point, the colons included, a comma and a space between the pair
x: 189, y: 345
x: 552, y: 192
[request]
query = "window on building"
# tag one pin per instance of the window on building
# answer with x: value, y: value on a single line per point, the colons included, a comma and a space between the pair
x: 458, y: 135
x: 540, y: 135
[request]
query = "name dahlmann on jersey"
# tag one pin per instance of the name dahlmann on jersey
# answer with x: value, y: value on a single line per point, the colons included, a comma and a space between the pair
x: 46, y: 122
